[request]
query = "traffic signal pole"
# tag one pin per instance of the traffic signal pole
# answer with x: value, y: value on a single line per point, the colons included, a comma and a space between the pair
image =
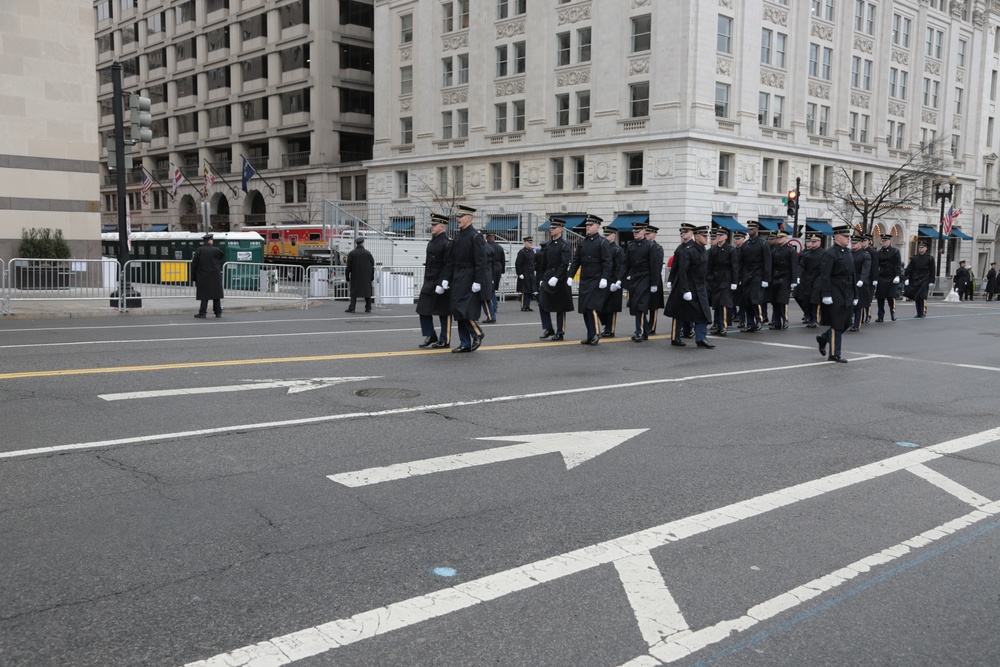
x: 793, y: 207
x: 131, y: 297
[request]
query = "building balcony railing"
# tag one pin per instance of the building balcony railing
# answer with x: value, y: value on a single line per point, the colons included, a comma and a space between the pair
x: 300, y: 159
x: 355, y: 156
x: 191, y: 171
x: 259, y: 163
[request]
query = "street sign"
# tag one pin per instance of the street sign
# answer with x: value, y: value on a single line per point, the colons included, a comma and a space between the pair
x: 797, y: 243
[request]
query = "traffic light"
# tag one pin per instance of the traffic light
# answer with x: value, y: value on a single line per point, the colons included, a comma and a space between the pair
x: 793, y: 203
x: 142, y: 120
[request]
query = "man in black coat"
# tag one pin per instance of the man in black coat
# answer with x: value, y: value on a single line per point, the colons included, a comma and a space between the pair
x: 755, y: 274
x: 866, y: 243
x: 991, y: 281
x: 206, y: 271
x: 656, y: 299
x: 807, y: 293
x: 555, y: 296
x: 613, y: 304
x: 465, y: 275
x: 524, y: 265
x: 737, y: 315
x: 639, y: 279
x: 784, y: 276
x: 489, y: 305
x: 499, y: 266
x: 593, y: 259
x: 359, y: 271
x: 919, y: 278
x: 890, y: 268
x: 688, y: 300
x: 961, y: 280
x: 723, y: 269
x: 837, y: 282
x: 433, y: 299
x: 862, y: 269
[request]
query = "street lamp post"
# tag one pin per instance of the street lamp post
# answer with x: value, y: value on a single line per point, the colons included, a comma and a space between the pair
x: 943, y: 194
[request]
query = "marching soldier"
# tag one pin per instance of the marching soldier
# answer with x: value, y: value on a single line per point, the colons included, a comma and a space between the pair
x: 991, y: 281
x: 613, y: 303
x: 593, y: 259
x: 499, y: 268
x: 524, y: 264
x: 837, y: 286
x: 738, y: 313
x: 688, y: 301
x: 433, y: 299
x: 808, y: 291
x: 723, y: 269
x: 489, y: 298
x: 890, y: 268
x: 784, y: 274
x: 555, y: 296
x: 862, y: 269
x: 872, y: 275
x: 656, y: 301
x: 919, y: 278
x: 466, y: 275
x: 640, y: 279
x: 755, y: 274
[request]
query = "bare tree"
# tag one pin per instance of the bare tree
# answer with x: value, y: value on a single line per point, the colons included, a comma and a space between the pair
x: 309, y: 212
x: 445, y: 197
x: 903, y: 188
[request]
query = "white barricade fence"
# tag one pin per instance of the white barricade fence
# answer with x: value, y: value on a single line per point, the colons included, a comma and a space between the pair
x: 159, y: 279
x: 398, y: 284
x: 4, y: 297
x: 55, y: 279
x: 258, y: 280
x: 327, y: 282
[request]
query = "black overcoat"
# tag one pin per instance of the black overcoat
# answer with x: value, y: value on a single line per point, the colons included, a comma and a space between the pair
x: 499, y: 263
x: 784, y: 272
x: 755, y: 268
x: 430, y: 302
x: 640, y: 273
x: 920, y: 272
x: 808, y: 291
x: 656, y: 299
x: 862, y: 270
x: 991, y: 281
x: 524, y: 264
x: 890, y: 266
x: 836, y: 280
x: 723, y: 272
x: 613, y: 304
x: 467, y: 265
x: 690, y: 274
x: 359, y: 271
x: 206, y: 269
x: 552, y: 261
x: 593, y: 258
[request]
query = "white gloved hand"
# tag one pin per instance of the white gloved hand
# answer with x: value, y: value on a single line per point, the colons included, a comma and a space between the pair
x: 907, y: 282
x: 895, y: 281
x: 798, y: 280
x: 616, y: 286
x: 552, y: 281
x: 688, y: 296
x: 931, y: 286
x: 855, y: 302
x: 874, y: 283
x: 860, y: 283
x: 603, y: 283
x: 763, y: 283
x: 445, y: 284
x: 654, y: 289
x: 521, y: 277
x: 569, y: 282
x: 476, y: 287
x: 439, y: 290
x: 733, y: 286
x: 827, y: 300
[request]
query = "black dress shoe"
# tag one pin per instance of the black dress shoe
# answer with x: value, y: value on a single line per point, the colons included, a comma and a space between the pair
x: 837, y: 358
x: 200, y: 316
x: 853, y: 329
x: 440, y: 344
x: 751, y: 330
x: 893, y: 317
x: 705, y: 344
x: 590, y: 341
x: 477, y: 341
x: 349, y: 310
x: 546, y: 333
x: 689, y: 334
x: 811, y: 325
x: 721, y: 333
x: 368, y: 310
x: 822, y: 344
x: 557, y: 337
x: 218, y: 314
x: 880, y: 320
x: 460, y: 349
x: 428, y: 341
x: 607, y: 334
x: 637, y: 338
x: 678, y: 343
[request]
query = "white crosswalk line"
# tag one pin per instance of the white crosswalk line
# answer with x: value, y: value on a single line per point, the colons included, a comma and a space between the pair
x: 656, y: 611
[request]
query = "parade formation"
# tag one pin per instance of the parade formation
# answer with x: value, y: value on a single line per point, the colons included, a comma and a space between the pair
x: 712, y: 285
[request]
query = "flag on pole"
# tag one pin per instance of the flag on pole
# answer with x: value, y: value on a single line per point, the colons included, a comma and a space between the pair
x: 248, y: 173
x: 178, y: 179
x: 147, y: 185
x: 950, y: 217
x: 128, y: 223
x: 209, y: 177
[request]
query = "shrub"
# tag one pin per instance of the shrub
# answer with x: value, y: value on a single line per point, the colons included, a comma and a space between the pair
x: 43, y: 244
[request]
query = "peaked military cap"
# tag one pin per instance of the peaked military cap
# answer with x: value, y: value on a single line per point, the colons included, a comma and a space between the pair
x: 720, y: 231
x: 652, y: 228
x: 842, y: 230
x: 557, y: 222
x: 739, y: 235
x: 593, y: 220
x: 857, y: 238
x: 610, y: 230
x: 465, y: 210
x: 886, y: 237
x: 923, y: 244
x: 208, y: 237
x: 527, y: 238
x: 753, y: 224
x: 781, y: 234
x: 703, y: 230
x: 638, y: 226
x: 687, y: 227
x: 438, y: 219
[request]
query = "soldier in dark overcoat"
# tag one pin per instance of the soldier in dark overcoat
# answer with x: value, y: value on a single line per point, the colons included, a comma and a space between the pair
x: 656, y: 299
x: 837, y: 282
x: 866, y: 243
x: 862, y: 269
x: 918, y: 278
x: 890, y: 268
x: 961, y: 280
x: 613, y: 304
x: 784, y: 275
x: 991, y: 281
x: 807, y: 292
x: 433, y: 300
x: 524, y: 265
x: 593, y: 259
x: 466, y: 275
x: 555, y: 296
x: 639, y: 279
x: 723, y: 269
x: 499, y: 268
x: 359, y: 271
x: 738, y: 313
x: 489, y: 300
x: 688, y: 300
x: 755, y: 274
x: 206, y: 271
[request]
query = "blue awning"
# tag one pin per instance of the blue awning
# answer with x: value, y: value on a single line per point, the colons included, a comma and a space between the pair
x: 821, y: 226
x: 106, y: 229
x: 157, y: 228
x: 929, y: 231
x: 623, y: 221
x: 571, y: 222
x: 401, y: 224
x: 959, y: 234
x: 729, y: 222
x: 771, y: 223
x: 502, y: 223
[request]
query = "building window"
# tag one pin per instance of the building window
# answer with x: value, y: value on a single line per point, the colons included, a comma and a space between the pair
x: 294, y: 13
x: 357, y: 101
x: 901, y: 30
x: 583, y: 107
x: 501, y: 52
x: 932, y: 43
x: 297, y: 57
x: 962, y: 46
x: 501, y: 118
x: 824, y: 121
x: 562, y: 110
x: 989, y: 132
x: 446, y: 125
x: 955, y: 141
x: 496, y: 176
x: 406, y: 80
x: 254, y: 27
x: 766, y: 167
x: 763, y: 108
x: 931, y: 90
x: 633, y: 169
x: 811, y: 117
x: 519, y: 57
x: 641, y: 33
x: 463, y: 68
x: 254, y: 68
x: 639, y: 100
x: 958, y: 101
x: 458, y: 178
x: 557, y: 168
x: 217, y: 39
x: 724, y: 38
x: 864, y: 17
x: 814, y: 176
x: 579, y: 168
x: 448, y: 72
x: 725, y: 170
x: 823, y: 9
x: 722, y: 100
x: 463, y: 122
x: 406, y: 130
x: 406, y: 28
x: 782, y: 180
x: 518, y: 116
x: 184, y: 12
x: 219, y: 77
x: 514, y: 170
x: 448, y: 18
x: 562, y: 49
x: 583, y: 45
x: 403, y: 184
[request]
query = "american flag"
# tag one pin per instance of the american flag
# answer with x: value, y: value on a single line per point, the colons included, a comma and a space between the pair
x: 178, y: 179
x: 147, y: 185
x: 950, y: 218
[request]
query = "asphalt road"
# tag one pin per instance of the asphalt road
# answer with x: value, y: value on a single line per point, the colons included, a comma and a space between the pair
x: 755, y: 505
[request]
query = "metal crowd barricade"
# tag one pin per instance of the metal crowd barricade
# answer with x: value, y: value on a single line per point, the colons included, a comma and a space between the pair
x: 58, y: 280
x: 257, y: 280
x: 327, y: 282
x: 398, y: 284
x: 4, y: 296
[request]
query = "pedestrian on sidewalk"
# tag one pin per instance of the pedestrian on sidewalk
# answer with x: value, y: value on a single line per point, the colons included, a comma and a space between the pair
x: 359, y: 272
x: 206, y: 271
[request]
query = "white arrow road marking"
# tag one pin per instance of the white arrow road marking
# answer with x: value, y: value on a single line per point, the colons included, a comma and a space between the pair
x: 576, y: 448
x: 294, y: 387
x: 289, y: 648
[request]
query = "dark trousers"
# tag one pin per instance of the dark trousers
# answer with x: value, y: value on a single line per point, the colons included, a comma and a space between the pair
x: 779, y: 313
x: 834, y: 339
x: 859, y: 315
x: 642, y: 324
x: 651, y: 318
x: 720, y: 318
x: 216, y: 306
x: 921, y: 306
x: 354, y: 301
x: 881, y: 307
x: 546, y: 316
x: 490, y: 309
x: 591, y: 320
x: 609, y: 321
x: 525, y: 301
x: 467, y: 329
x: 753, y: 315
x: 427, y: 327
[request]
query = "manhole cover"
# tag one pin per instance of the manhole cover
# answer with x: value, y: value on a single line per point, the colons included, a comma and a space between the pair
x: 387, y: 392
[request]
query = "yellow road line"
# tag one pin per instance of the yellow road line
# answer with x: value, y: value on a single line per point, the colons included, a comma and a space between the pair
x: 273, y: 360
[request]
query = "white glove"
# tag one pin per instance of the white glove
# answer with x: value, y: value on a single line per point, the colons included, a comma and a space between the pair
x: 895, y: 281
x: 860, y: 283
x: 907, y: 282
x: 439, y: 289
x: 670, y: 285
x: 521, y: 277
x: 931, y: 286
x: 763, y: 283
x: 628, y: 277
x: 476, y: 287
x: 733, y: 286
x: 688, y: 296
x: 855, y: 302
x: 874, y: 283
x: 552, y: 281
x: 798, y: 280
x: 654, y: 289
x: 445, y: 284
x: 616, y: 286
x: 603, y: 283
x: 569, y: 282
x: 827, y: 300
